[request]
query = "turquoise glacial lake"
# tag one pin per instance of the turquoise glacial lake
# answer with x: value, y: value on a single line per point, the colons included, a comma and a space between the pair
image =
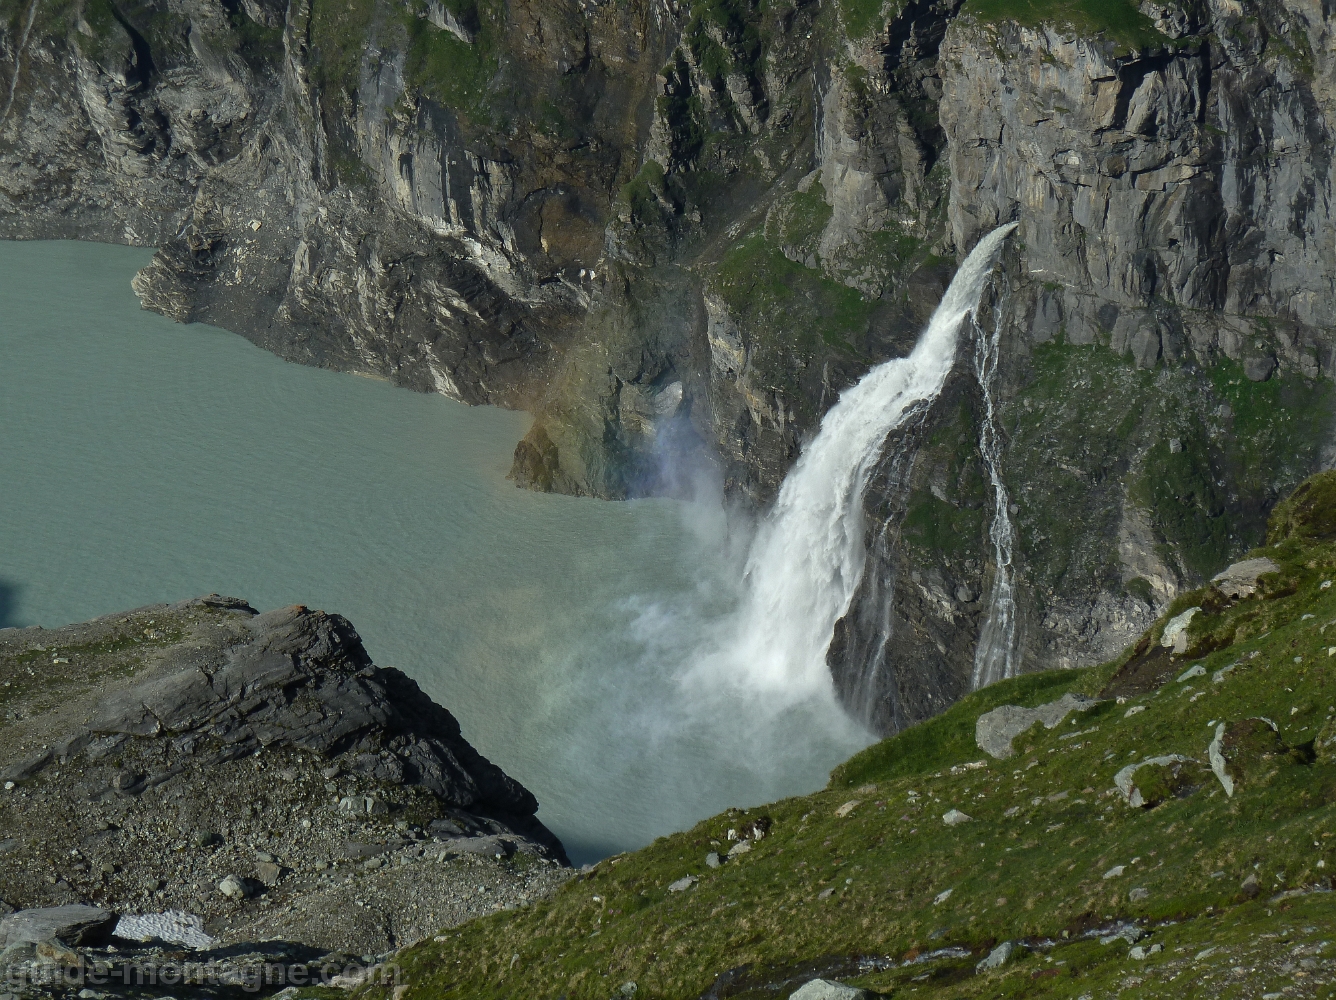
x: 144, y: 461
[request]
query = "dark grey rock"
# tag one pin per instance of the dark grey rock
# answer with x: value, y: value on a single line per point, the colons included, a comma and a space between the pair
x: 1259, y: 369
x: 73, y: 925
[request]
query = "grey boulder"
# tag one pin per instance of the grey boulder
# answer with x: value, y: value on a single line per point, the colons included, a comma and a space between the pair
x: 995, y: 730
x: 1240, y: 579
x: 73, y: 925
x: 828, y: 989
x: 997, y: 957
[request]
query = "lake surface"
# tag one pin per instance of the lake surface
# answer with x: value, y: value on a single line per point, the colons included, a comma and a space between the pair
x: 145, y: 461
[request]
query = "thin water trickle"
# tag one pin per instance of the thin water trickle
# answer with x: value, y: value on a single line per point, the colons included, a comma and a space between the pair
x: 808, y: 555
x: 995, y: 657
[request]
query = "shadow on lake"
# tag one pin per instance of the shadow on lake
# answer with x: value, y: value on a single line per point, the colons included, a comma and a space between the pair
x: 9, y: 604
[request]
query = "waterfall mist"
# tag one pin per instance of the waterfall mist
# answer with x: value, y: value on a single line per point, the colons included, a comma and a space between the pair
x: 753, y: 671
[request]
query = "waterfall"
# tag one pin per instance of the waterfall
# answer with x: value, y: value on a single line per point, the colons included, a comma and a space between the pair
x: 807, y: 558
x: 995, y: 656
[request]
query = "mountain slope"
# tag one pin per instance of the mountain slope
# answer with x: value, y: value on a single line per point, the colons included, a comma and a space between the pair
x: 866, y: 881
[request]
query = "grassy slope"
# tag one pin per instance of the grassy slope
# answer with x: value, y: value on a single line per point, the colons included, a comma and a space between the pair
x: 1037, y: 873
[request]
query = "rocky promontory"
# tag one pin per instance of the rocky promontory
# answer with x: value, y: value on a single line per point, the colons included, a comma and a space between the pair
x: 213, y: 777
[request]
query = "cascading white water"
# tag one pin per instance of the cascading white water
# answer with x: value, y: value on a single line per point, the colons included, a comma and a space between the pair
x: 995, y: 656
x: 807, y: 557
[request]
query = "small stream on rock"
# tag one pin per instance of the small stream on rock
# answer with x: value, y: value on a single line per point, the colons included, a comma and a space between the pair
x: 995, y: 656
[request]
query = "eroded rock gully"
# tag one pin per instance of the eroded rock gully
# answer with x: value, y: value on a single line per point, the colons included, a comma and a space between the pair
x: 675, y: 230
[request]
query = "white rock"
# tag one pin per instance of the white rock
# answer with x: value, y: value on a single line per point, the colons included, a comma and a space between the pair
x: 1196, y: 670
x: 827, y: 989
x: 955, y: 817
x: 1133, y: 711
x: 1115, y: 871
x: 942, y: 897
x: 682, y: 884
x: 1218, y: 761
x: 235, y: 887
x: 1175, y: 635
x: 997, y: 957
x: 741, y: 847
x: 847, y: 808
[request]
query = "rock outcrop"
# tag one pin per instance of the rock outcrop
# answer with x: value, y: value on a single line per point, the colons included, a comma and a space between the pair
x: 256, y: 770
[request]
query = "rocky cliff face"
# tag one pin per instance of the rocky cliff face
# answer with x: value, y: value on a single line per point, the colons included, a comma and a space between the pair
x: 675, y: 230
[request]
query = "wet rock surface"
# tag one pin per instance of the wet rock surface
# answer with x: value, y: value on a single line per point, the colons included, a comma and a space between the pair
x: 255, y: 770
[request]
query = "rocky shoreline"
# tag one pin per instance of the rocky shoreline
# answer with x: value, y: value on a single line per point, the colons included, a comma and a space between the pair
x: 239, y: 788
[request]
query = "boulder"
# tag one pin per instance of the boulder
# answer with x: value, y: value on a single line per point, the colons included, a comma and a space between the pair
x: 1175, y: 634
x: 1259, y: 369
x: 828, y: 989
x: 1168, y: 779
x: 73, y: 925
x: 236, y: 887
x: 997, y: 957
x: 1240, y: 579
x: 1248, y: 745
x: 1163, y: 778
x: 995, y: 730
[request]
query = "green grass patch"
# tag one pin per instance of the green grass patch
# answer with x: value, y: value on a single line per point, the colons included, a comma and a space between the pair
x: 450, y: 71
x: 758, y: 281
x: 339, y: 31
x: 935, y: 526
x: 863, y: 17
x: 1120, y: 20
